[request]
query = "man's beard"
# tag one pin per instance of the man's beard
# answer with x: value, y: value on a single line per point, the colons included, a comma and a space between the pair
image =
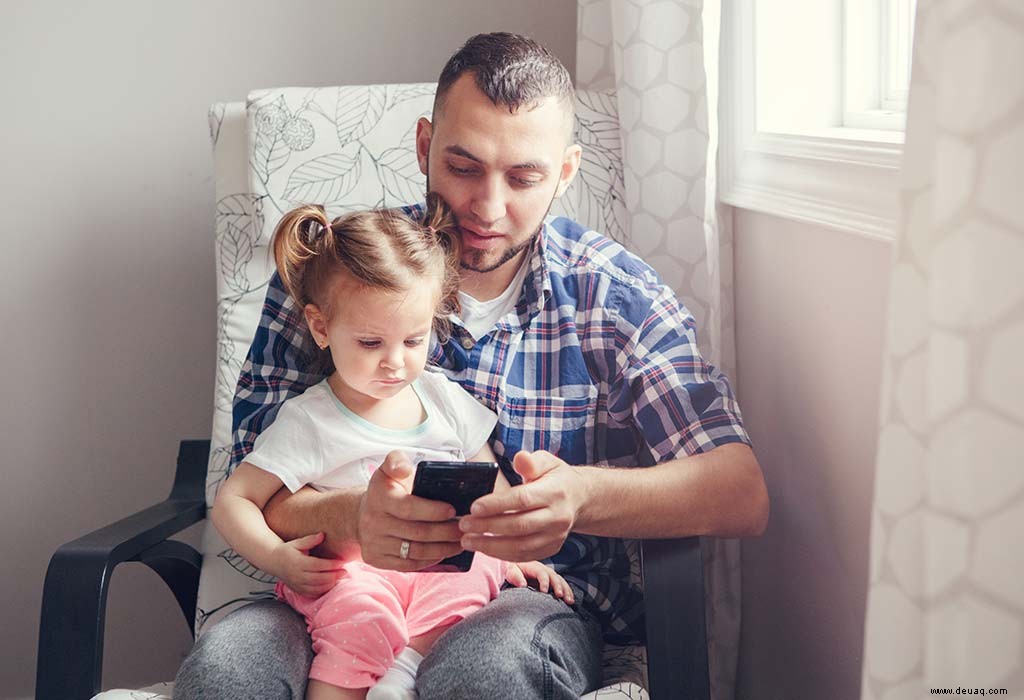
x: 476, y: 261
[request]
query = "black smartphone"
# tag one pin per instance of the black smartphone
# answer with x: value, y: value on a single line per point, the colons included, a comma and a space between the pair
x: 457, y: 483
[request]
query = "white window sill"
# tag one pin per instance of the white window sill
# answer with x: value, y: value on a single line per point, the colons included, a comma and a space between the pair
x: 840, y: 183
x: 856, y: 137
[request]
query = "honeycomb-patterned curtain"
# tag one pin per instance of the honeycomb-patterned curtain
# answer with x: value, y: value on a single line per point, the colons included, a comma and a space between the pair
x: 655, y: 56
x: 946, y: 597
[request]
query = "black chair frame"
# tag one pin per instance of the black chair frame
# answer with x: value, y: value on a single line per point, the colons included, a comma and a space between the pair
x: 70, y: 659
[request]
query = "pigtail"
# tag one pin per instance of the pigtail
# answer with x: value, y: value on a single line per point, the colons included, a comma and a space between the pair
x: 378, y: 249
x: 439, y: 220
x: 301, y: 235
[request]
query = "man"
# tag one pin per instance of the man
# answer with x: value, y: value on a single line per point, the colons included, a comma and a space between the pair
x: 586, y: 357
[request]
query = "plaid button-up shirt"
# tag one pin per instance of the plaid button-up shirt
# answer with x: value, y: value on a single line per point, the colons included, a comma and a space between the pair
x: 598, y: 364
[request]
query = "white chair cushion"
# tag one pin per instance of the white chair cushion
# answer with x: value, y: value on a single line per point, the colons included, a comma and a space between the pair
x: 160, y: 691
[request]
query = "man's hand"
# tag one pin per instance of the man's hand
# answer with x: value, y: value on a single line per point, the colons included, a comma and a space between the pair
x: 546, y: 578
x: 389, y: 514
x: 529, y: 521
x: 308, y: 575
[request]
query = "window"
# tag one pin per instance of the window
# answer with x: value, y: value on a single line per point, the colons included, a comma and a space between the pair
x: 814, y: 96
x: 822, y: 66
x: 878, y: 35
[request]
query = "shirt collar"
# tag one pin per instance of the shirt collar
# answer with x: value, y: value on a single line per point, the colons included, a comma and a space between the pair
x: 537, y: 284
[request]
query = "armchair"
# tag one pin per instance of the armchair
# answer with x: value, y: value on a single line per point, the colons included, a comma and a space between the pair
x: 350, y: 147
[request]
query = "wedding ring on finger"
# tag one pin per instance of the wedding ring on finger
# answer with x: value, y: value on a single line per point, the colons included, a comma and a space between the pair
x: 403, y: 551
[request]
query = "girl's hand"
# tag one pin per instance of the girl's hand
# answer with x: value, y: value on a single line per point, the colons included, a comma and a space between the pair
x: 544, y: 575
x: 307, y: 575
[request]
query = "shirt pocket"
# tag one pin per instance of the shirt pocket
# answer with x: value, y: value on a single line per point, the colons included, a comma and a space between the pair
x: 562, y: 424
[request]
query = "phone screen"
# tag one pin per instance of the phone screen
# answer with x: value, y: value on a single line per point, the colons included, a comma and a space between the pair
x: 457, y: 483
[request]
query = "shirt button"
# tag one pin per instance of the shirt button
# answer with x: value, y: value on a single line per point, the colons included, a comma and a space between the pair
x: 468, y: 343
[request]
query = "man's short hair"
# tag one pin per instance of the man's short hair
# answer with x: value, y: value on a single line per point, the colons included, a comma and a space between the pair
x: 510, y: 69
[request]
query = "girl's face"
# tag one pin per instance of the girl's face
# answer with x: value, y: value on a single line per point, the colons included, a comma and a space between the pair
x: 378, y: 340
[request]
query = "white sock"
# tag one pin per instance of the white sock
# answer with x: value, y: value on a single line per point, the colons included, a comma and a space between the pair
x: 399, y: 682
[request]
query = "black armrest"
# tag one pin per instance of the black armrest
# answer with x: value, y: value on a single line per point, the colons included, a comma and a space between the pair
x: 70, y: 659
x: 677, y: 654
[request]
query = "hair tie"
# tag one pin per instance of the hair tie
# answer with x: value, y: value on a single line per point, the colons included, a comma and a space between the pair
x: 315, y: 230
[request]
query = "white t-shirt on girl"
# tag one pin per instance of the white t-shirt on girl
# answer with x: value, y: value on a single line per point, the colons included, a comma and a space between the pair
x: 317, y: 440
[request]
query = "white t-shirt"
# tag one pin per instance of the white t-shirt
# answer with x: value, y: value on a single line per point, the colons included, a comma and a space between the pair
x: 317, y: 440
x: 479, y: 317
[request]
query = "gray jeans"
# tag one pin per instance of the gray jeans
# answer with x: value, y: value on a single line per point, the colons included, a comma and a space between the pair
x: 522, y: 645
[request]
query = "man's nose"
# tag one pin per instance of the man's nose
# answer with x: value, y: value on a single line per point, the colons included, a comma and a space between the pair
x: 489, y: 200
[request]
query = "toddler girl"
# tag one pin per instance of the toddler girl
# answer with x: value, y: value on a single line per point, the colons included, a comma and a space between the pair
x: 372, y: 286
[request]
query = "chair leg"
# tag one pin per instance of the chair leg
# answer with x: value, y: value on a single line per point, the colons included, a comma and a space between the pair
x: 677, y: 654
x: 74, y: 603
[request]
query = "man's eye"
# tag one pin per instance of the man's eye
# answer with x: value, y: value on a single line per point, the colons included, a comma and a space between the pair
x: 462, y: 172
x: 522, y: 182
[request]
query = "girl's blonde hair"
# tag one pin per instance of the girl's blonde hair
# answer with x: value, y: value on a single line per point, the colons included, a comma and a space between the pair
x: 380, y: 248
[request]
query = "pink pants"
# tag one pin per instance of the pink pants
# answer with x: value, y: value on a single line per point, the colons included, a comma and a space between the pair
x: 360, y: 625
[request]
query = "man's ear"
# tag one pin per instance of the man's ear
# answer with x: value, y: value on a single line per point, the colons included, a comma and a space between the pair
x: 570, y: 166
x: 317, y: 323
x: 424, y: 132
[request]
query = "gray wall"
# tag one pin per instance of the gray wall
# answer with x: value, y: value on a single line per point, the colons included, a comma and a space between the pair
x: 107, y: 306
x: 810, y: 311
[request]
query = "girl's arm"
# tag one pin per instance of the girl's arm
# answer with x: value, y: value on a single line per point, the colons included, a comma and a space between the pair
x: 486, y: 454
x: 238, y: 516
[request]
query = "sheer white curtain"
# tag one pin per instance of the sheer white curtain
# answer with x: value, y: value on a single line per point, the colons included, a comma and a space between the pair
x: 946, y: 598
x: 661, y: 60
